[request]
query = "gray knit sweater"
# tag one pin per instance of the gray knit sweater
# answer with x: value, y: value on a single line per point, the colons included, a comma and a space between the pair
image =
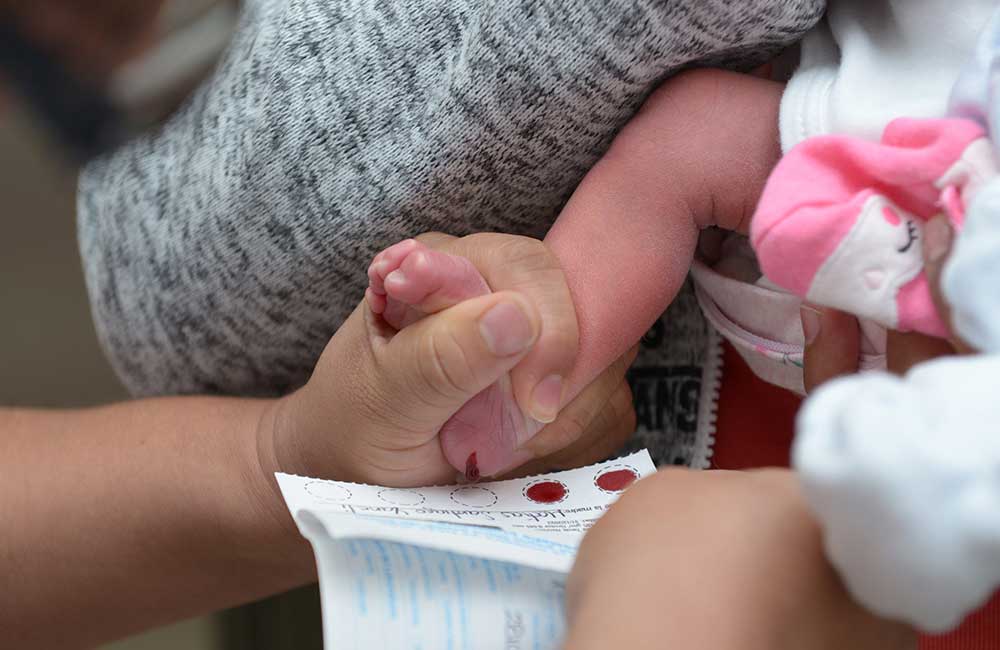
x: 222, y: 252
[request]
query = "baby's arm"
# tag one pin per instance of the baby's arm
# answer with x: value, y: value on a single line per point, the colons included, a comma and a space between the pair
x: 696, y: 155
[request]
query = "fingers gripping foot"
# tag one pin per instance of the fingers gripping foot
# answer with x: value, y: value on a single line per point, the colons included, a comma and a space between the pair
x: 408, y: 281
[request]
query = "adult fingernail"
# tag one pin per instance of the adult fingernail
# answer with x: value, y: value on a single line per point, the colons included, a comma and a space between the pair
x: 546, y: 399
x: 937, y: 239
x: 506, y: 329
x: 812, y: 322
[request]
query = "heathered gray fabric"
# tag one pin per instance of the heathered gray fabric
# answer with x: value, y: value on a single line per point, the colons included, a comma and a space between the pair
x: 223, y: 252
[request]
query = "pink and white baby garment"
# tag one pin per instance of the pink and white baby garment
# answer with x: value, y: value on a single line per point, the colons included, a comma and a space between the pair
x: 903, y: 473
x: 840, y: 220
x: 870, y: 61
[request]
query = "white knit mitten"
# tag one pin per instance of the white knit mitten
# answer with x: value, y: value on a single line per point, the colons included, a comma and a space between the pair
x: 904, y: 475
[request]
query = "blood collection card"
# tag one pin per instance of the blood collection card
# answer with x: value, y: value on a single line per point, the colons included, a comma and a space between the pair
x: 560, y: 506
x: 468, y: 567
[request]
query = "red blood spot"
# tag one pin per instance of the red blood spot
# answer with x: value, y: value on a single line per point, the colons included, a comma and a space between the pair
x: 891, y: 216
x: 472, y: 468
x: 546, y: 492
x: 617, y: 480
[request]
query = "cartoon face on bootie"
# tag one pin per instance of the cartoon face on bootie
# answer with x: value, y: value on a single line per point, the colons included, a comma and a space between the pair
x: 841, y: 220
x: 869, y: 270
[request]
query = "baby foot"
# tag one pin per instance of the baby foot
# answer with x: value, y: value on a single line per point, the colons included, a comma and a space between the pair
x: 408, y: 281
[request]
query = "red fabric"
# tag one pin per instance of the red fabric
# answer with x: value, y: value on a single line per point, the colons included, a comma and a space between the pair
x: 755, y: 425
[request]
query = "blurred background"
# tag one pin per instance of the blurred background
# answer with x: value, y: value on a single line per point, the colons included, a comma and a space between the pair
x: 50, y: 356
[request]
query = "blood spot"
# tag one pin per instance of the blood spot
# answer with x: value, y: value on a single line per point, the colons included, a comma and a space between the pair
x: 472, y: 468
x: 546, y: 492
x: 617, y: 480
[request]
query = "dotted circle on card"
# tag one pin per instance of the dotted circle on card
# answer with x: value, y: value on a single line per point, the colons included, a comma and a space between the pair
x: 328, y: 491
x: 546, y: 492
x: 616, y: 478
x: 474, y: 497
x: 399, y: 497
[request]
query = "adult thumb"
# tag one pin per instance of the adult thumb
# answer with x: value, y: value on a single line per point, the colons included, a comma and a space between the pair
x: 444, y: 360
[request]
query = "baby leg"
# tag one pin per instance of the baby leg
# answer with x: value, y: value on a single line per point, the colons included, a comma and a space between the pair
x: 408, y: 281
x: 643, y: 580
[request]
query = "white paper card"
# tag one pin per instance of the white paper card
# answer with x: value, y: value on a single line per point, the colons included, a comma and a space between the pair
x: 462, y: 567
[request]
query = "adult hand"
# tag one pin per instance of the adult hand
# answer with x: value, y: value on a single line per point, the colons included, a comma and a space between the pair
x: 187, y: 519
x: 833, y: 337
x: 575, y: 438
x: 527, y: 265
x: 596, y: 424
x: 378, y: 398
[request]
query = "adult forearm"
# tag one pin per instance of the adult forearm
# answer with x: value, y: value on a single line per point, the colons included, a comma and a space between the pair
x: 120, y: 518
